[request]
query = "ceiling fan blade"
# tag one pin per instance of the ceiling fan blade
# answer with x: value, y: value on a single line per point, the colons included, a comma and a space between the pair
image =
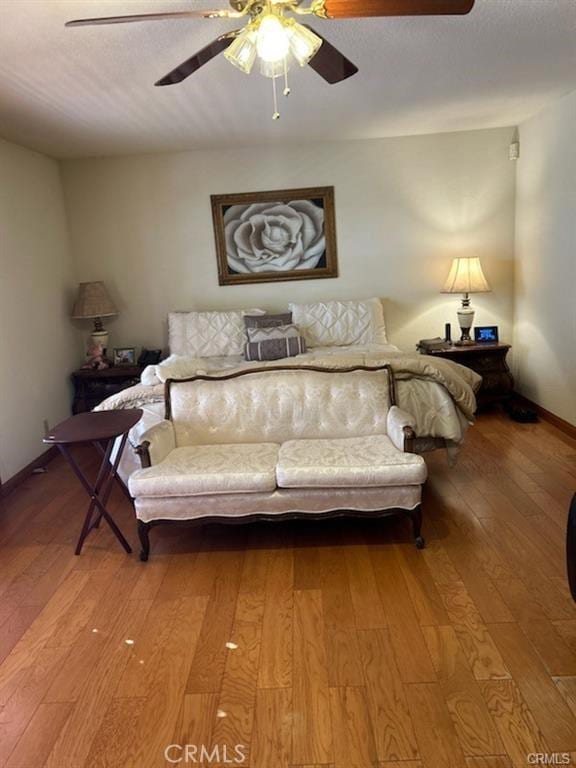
x: 151, y: 17
x: 200, y: 58
x: 329, y: 63
x: 349, y: 9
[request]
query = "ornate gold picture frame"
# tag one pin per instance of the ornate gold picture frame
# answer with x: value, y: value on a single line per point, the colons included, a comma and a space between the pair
x: 286, y: 234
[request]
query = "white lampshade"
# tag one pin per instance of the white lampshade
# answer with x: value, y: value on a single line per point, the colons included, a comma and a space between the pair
x: 304, y: 44
x: 242, y: 52
x: 466, y: 276
x: 272, y: 42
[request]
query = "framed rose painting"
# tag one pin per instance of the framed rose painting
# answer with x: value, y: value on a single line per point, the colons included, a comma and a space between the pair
x: 263, y: 237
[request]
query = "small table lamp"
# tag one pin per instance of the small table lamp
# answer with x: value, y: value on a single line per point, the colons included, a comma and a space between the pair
x: 94, y: 302
x: 466, y: 277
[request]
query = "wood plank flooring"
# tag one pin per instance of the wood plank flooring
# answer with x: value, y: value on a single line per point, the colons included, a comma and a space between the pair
x: 333, y: 645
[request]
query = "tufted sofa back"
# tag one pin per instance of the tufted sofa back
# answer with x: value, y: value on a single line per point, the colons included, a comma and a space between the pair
x: 280, y: 403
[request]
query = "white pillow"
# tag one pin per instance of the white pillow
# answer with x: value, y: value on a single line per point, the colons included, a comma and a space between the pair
x: 208, y: 334
x: 340, y: 323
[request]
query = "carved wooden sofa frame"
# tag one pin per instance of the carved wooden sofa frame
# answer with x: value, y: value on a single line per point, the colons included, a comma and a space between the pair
x: 143, y: 450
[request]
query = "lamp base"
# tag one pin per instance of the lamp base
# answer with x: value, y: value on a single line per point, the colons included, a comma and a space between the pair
x: 465, y: 320
x: 100, y: 337
x: 96, y: 352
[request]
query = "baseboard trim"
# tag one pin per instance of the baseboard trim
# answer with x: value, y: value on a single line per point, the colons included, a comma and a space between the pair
x: 551, y: 418
x: 19, y: 477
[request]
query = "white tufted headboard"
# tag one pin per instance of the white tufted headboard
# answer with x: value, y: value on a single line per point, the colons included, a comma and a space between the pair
x: 323, y: 323
x: 208, y: 334
x: 280, y: 403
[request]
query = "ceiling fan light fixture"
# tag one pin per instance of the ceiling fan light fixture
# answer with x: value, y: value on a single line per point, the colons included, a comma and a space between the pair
x: 242, y: 52
x: 304, y: 44
x: 272, y: 42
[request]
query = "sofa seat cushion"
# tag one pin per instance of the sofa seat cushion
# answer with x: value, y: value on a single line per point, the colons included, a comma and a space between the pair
x: 347, y: 462
x: 210, y: 469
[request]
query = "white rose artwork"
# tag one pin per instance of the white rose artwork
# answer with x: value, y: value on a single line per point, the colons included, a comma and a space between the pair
x: 273, y: 237
x: 268, y: 236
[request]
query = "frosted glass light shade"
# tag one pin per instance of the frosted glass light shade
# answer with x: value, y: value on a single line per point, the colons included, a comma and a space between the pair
x: 272, y: 43
x: 274, y: 68
x: 466, y: 276
x: 304, y: 44
x: 242, y: 52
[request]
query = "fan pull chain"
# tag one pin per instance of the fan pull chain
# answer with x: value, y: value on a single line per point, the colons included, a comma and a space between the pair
x: 276, y: 115
x: 286, y: 90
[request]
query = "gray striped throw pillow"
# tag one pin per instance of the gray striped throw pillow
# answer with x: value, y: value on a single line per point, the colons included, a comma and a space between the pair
x: 274, y: 343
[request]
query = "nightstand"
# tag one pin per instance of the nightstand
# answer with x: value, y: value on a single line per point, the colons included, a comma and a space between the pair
x: 91, y: 387
x: 489, y: 360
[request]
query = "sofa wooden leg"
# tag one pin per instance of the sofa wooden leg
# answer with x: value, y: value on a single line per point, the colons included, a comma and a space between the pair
x: 416, y: 515
x: 144, y: 537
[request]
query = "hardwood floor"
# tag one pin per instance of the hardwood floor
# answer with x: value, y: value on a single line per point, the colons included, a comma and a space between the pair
x: 333, y: 645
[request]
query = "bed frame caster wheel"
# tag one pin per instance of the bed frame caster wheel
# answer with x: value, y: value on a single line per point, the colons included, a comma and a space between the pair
x: 420, y: 543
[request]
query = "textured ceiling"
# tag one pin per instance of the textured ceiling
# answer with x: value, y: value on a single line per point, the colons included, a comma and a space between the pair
x: 89, y: 91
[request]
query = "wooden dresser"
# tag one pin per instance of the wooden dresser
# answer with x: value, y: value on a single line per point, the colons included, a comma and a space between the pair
x: 91, y: 387
x: 489, y: 360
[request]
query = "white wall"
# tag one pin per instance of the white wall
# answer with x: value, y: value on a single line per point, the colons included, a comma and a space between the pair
x: 545, y: 331
x: 404, y: 208
x: 37, y: 343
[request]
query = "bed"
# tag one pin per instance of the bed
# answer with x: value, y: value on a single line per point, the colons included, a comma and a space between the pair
x: 439, y: 394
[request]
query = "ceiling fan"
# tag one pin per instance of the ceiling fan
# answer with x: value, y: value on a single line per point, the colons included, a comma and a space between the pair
x: 276, y: 38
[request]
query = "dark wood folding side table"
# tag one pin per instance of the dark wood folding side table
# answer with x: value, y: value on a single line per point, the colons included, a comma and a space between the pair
x: 101, y: 428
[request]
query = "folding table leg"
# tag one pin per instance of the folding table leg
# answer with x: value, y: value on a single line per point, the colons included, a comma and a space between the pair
x: 105, y: 453
x: 114, y: 474
x: 109, y: 472
x: 91, y: 491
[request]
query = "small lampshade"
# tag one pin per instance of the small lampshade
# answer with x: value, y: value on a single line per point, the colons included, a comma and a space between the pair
x: 242, y: 52
x: 93, y: 300
x: 466, y: 276
x: 304, y: 44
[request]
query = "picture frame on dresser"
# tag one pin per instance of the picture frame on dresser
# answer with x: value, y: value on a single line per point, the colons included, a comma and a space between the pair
x: 486, y: 334
x: 285, y: 234
x: 124, y: 356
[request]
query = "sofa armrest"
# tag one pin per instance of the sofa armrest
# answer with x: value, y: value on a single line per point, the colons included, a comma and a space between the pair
x: 400, y: 426
x: 156, y: 443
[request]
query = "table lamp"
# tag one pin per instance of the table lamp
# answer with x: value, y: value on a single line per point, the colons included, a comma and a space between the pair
x: 94, y: 302
x: 466, y: 277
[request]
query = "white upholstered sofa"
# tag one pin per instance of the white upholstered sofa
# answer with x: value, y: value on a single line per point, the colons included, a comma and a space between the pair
x: 275, y: 443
